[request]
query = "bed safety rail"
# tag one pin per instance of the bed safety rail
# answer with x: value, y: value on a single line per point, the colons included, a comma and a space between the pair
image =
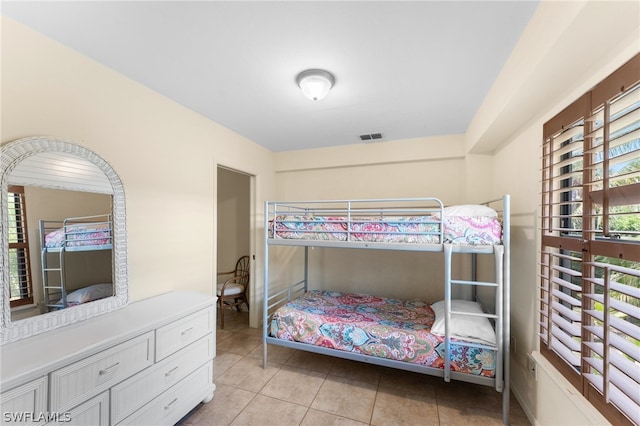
x: 78, y: 233
x: 412, y: 220
x: 283, y: 296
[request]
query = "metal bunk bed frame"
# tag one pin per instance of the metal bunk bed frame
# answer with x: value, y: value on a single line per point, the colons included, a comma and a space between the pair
x: 502, y: 266
x: 59, y: 288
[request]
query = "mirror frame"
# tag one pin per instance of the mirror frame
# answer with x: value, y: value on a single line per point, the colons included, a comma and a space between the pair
x: 11, y: 154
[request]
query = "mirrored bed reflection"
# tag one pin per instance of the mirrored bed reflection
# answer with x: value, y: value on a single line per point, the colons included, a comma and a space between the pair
x: 68, y: 258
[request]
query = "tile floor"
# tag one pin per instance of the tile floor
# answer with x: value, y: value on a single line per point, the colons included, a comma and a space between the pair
x: 301, y: 388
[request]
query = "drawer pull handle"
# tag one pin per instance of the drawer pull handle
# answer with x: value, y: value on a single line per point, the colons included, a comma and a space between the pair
x: 187, y: 331
x: 108, y: 369
x: 170, y: 372
x: 170, y: 405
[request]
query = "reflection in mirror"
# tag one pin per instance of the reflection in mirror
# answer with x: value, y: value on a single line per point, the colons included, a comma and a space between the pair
x: 63, y: 237
x: 60, y: 252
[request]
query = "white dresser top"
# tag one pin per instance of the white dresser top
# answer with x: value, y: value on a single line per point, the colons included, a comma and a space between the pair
x: 35, y: 356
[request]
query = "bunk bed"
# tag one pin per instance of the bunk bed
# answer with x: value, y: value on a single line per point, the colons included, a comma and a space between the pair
x: 72, y: 235
x: 453, y: 339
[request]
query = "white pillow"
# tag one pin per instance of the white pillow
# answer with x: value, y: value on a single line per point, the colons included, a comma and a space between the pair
x: 93, y: 292
x: 469, y: 328
x: 470, y: 210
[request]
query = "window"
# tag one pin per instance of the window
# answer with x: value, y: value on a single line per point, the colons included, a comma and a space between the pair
x: 19, y: 261
x: 590, y: 244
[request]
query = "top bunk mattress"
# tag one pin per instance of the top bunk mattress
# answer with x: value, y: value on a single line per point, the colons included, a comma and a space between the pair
x: 460, y: 225
x: 89, y: 235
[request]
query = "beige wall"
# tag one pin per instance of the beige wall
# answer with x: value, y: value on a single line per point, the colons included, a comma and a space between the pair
x: 428, y: 167
x: 165, y: 154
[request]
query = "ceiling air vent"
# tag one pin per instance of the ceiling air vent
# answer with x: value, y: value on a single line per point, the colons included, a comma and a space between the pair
x: 370, y: 137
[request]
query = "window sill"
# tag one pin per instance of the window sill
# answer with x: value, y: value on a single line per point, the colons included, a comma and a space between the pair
x: 24, y: 307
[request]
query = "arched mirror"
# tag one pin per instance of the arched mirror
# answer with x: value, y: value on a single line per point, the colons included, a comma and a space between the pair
x: 63, y: 235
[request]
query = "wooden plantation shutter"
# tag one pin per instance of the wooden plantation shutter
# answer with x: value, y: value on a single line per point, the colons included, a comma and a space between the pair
x: 19, y: 262
x: 589, y: 317
x: 561, y: 286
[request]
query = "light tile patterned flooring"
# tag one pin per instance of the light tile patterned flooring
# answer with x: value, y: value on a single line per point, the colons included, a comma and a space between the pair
x: 301, y: 388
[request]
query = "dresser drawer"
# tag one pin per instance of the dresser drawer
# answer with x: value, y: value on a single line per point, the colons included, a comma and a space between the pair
x: 175, y: 336
x: 176, y: 402
x: 94, y: 412
x: 136, y: 391
x: 25, y: 404
x: 81, y: 380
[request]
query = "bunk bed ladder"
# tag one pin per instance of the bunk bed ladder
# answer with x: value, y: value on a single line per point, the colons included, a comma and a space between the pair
x: 55, y: 295
x: 447, y: 309
x: 265, y: 294
x: 498, y: 317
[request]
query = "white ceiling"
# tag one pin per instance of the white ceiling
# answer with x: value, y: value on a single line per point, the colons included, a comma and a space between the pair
x: 405, y: 69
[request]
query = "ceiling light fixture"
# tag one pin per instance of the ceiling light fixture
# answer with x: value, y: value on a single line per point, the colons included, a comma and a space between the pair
x: 315, y: 84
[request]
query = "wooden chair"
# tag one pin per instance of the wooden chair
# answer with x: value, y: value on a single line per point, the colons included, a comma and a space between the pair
x: 233, y: 292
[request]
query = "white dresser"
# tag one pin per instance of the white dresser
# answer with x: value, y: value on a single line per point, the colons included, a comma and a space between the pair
x: 148, y: 363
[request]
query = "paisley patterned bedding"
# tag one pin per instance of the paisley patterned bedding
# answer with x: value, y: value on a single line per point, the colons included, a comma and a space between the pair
x: 79, y: 235
x: 472, y: 230
x: 419, y: 229
x: 375, y: 326
x: 468, y: 230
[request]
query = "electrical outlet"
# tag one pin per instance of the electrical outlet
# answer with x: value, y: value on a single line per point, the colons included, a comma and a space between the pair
x: 532, y: 366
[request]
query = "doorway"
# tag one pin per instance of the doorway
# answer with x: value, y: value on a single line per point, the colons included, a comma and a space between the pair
x: 234, y: 220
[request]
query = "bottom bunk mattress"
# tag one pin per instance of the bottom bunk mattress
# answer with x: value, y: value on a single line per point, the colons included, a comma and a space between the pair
x: 376, y: 326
